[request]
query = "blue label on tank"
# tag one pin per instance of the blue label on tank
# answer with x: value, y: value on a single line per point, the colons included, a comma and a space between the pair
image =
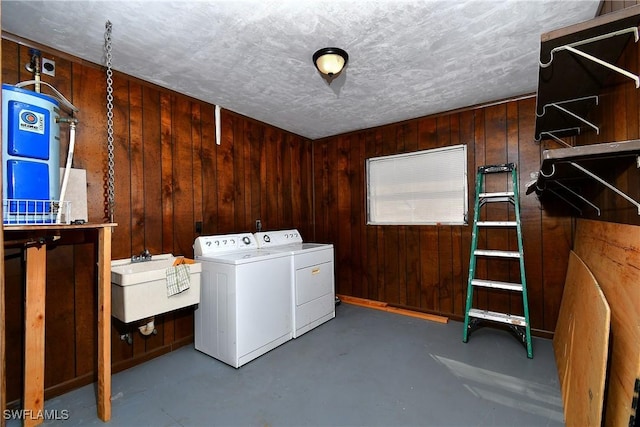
x: 31, y: 121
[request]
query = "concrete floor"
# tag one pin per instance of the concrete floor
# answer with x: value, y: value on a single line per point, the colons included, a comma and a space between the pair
x: 363, y: 368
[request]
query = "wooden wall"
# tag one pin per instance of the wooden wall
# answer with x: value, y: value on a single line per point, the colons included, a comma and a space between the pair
x: 608, y: 6
x: 425, y: 267
x: 169, y: 174
x: 618, y: 119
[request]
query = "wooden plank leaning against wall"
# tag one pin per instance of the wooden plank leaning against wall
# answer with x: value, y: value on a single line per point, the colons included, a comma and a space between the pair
x: 170, y: 174
x: 612, y: 253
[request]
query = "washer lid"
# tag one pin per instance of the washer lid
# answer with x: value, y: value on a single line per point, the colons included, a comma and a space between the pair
x: 242, y: 257
x: 223, y: 243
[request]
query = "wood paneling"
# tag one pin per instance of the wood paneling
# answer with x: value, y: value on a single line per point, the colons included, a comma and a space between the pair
x: 425, y: 268
x: 169, y: 175
x: 609, y: 6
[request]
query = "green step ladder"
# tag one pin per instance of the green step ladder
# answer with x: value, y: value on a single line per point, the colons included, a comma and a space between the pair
x: 473, y: 317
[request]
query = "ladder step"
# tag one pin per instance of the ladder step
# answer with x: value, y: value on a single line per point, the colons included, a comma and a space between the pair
x: 506, y: 167
x: 494, y: 316
x: 498, y: 254
x: 497, y: 223
x: 497, y: 285
x: 499, y: 194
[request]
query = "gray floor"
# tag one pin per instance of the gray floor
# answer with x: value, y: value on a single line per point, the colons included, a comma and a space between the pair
x: 363, y: 368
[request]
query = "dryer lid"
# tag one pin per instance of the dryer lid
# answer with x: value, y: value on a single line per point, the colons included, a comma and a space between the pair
x: 267, y: 239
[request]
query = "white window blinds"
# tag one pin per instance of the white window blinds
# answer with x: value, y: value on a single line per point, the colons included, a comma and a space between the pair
x: 424, y: 187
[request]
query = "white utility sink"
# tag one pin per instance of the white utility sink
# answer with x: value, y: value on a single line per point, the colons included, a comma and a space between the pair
x: 139, y: 289
x: 125, y: 272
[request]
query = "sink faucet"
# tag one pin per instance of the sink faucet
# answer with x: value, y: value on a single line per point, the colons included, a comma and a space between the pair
x: 144, y: 256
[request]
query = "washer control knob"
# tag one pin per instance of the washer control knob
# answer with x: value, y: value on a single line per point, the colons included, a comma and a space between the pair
x: 246, y: 240
x: 266, y: 238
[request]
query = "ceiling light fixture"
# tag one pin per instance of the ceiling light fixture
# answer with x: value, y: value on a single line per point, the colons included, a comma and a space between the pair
x: 330, y: 60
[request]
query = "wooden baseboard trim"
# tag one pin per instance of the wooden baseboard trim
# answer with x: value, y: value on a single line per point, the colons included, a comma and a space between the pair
x: 361, y: 301
x: 383, y: 306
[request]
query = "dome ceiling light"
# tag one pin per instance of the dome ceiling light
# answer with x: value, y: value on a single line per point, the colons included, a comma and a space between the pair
x: 330, y: 60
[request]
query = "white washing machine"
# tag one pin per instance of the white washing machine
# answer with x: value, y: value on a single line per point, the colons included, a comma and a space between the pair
x: 312, y: 277
x: 245, y: 298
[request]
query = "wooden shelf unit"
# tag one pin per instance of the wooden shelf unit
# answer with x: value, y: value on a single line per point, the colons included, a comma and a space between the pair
x: 568, y: 82
x: 562, y: 168
x: 33, y: 239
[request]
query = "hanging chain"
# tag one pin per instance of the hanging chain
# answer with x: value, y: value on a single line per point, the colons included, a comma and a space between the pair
x: 109, y: 211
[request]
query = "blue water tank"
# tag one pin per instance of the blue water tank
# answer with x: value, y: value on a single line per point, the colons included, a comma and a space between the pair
x: 30, y: 154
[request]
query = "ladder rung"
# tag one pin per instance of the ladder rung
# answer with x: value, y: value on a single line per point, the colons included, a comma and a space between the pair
x: 497, y: 223
x: 497, y: 285
x: 499, y: 254
x: 498, y: 317
x: 494, y: 195
x: 506, y: 167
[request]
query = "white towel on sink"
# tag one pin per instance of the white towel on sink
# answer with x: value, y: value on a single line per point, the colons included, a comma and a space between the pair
x: 178, y: 279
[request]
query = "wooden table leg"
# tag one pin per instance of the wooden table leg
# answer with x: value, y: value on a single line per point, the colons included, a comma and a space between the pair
x: 104, y: 324
x: 33, y: 401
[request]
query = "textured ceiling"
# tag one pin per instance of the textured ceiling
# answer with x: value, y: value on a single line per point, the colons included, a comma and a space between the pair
x: 407, y: 58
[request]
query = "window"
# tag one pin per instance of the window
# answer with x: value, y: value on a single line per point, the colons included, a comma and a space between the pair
x: 423, y: 187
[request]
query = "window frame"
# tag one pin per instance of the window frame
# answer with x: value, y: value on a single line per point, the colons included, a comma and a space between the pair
x: 454, y: 175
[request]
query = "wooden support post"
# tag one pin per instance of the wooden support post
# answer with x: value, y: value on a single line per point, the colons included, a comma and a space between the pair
x: 104, y: 324
x: 34, y: 307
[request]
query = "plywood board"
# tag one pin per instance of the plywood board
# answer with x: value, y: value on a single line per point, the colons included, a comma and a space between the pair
x: 581, y: 344
x: 612, y: 253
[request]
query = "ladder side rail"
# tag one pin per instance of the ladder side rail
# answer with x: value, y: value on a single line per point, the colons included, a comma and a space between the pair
x: 523, y: 278
x: 472, y: 258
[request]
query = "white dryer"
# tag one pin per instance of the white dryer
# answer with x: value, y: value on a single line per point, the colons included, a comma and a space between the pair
x: 245, y: 300
x: 312, y: 277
